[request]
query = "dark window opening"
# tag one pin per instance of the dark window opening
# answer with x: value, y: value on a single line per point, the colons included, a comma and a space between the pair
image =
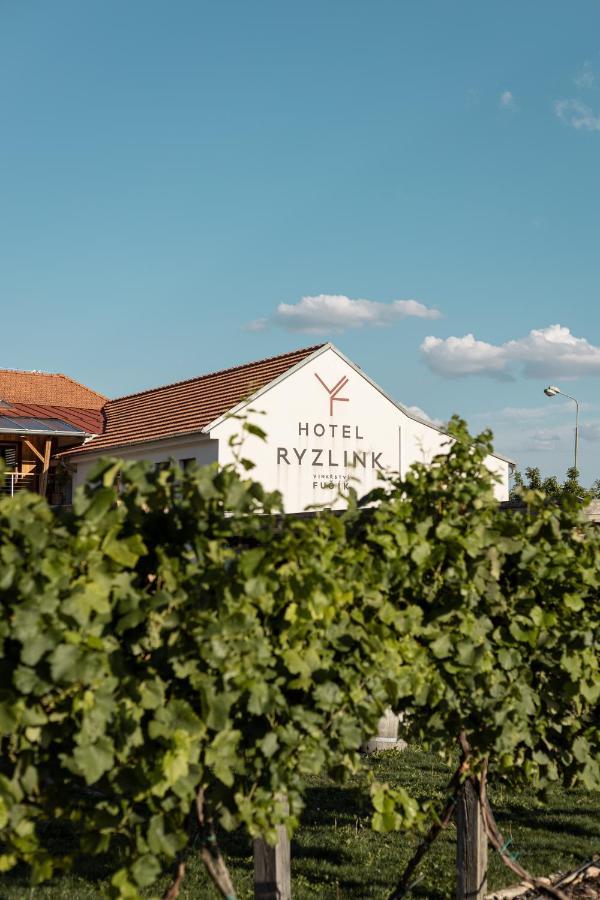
x: 9, y: 453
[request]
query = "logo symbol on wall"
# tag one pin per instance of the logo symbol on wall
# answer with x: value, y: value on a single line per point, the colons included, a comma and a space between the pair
x: 334, y: 391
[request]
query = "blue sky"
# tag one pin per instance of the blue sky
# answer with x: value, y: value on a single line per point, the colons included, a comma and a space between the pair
x: 176, y: 178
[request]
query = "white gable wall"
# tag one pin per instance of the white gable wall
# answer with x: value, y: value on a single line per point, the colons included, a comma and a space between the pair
x: 320, y: 436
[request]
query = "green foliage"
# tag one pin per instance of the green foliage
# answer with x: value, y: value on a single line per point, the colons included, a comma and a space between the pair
x: 175, y: 637
x: 505, y: 610
x: 551, y: 486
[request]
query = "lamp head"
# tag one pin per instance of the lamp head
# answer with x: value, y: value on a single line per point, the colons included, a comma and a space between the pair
x: 551, y: 391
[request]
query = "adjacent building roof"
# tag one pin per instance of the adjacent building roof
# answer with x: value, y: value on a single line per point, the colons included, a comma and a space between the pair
x: 88, y: 421
x: 47, y: 387
x: 185, y: 407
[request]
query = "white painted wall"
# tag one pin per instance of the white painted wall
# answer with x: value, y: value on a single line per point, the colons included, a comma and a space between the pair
x: 197, y: 446
x: 310, y: 468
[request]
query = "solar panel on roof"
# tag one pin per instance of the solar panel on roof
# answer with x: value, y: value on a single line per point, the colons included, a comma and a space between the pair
x: 5, y: 422
x: 59, y: 425
x: 27, y: 424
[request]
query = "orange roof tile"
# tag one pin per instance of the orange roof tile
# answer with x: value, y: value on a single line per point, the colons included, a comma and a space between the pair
x: 47, y: 387
x: 186, y: 406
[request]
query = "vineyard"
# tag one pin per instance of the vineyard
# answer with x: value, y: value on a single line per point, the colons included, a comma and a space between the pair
x: 179, y: 661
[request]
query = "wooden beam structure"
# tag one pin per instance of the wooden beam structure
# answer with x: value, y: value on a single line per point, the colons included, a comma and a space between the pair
x: 45, y: 466
x: 34, y: 450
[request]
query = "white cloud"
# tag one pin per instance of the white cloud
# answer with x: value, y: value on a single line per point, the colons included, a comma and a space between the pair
x: 545, y: 352
x: 508, y: 415
x: 456, y: 356
x: 554, y: 351
x: 521, y: 430
x: 544, y: 439
x: 577, y: 114
x: 585, y: 77
x: 511, y: 414
x: 590, y: 431
x: 257, y: 325
x: 421, y: 414
x: 507, y: 100
x: 335, y: 312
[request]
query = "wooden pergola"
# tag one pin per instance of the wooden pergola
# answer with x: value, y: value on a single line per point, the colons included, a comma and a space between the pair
x: 27, y: 445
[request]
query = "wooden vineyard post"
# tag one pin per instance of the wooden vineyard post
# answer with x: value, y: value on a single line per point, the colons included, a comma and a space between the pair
x: 471, y: 845
x: 272, y: 868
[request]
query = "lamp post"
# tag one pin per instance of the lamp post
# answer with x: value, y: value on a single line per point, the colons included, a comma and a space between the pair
x: 551, y: 391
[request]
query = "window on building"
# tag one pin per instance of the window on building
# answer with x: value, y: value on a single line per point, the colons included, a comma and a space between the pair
x: 9, y: 455
x: 186, y: 463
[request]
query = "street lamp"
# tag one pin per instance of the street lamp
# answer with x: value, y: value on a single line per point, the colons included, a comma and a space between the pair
x: 552, y: 391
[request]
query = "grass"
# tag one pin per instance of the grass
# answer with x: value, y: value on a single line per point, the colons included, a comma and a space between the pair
x: 336, y: 855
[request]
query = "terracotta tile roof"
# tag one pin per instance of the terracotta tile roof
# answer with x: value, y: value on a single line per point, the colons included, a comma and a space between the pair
x: 89, y: 420
x: 186, y: 406
x: 46, y: 387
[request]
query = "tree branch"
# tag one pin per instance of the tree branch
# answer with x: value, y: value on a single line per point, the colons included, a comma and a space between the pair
x: 497, y: 841
x: 210, y: 853
x: 173, y: 891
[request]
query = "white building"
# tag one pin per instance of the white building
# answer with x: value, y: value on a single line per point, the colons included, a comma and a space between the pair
x: 327, y: 423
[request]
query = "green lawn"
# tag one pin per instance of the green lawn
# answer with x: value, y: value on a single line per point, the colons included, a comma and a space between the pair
x: 335, y: 855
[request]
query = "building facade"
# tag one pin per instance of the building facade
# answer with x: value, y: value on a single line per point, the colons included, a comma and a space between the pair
x: 328, y: 426
x: 40, y: 415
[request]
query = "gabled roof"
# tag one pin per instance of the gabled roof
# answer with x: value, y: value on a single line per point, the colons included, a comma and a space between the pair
x: 186, y: 407
x: 47, y: 388
x: 91, y: 421
x: 318, y: 349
